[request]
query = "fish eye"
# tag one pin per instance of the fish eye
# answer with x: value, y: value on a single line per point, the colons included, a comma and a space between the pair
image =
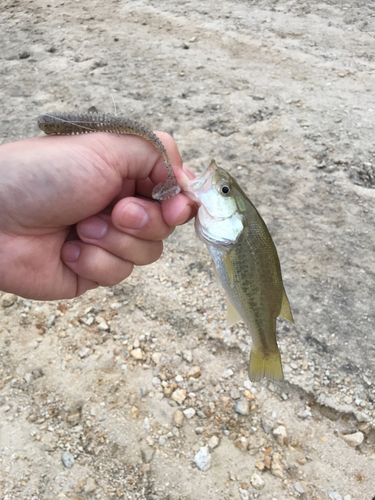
x: 224, y: 189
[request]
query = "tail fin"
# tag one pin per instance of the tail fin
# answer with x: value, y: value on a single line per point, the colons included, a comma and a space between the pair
x: 265, y: 365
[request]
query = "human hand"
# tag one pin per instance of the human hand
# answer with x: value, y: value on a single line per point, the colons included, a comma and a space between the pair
x: 71, y: 216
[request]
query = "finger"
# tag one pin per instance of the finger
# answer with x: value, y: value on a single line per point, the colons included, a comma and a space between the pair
x: 96, y: 264
x: 141, y: 218
x: 147, y: 174
x: 99, y: 231
x: 178, y: 210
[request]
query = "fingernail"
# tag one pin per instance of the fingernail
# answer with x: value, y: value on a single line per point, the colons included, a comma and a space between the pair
x: 94, y: 228
x: 133, y: 216
x: 71, y: 252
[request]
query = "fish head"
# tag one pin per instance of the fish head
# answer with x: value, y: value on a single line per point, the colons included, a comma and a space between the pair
x: 216, y: 193
x: 213, y: 190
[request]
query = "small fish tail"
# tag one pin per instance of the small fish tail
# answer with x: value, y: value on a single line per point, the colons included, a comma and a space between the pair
x: 265, y: 365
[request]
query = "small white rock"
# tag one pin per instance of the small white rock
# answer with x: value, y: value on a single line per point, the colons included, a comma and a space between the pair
x: 298, y: 487
x: 242, y: 407
x: 137, y: 353
x: 280, y: 435
x: 189, y: 413
x: 188, y: 356
x: 103, y: 326
x: 334, y: 496
x: 244, y: 494
x: 213, y: 442
x: 67, y: 459
x: 156, y: 357
x: 354, y: 439
x: 8, y: 299
x: 228, y: 373
x: 203, y: 458
x: 90, y: 486
x: 178, y: 418
x: 256, y: 481
x: 179, y: 396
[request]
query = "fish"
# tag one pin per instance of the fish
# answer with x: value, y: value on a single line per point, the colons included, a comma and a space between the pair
x: 84, y: 123
x: 245, y: 261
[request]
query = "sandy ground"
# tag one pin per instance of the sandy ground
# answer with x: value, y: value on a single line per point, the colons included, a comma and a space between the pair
x: 282, y: 95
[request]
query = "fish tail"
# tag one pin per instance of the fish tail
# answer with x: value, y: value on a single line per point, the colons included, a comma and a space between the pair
x: 265, y: 365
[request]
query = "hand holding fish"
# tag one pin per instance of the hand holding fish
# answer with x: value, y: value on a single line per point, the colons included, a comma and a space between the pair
x: 77, y: 211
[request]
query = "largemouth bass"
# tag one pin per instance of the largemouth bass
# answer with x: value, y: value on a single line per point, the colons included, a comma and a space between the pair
x: 246, y: 263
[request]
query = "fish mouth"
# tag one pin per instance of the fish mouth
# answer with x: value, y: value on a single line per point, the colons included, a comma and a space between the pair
x: 196, y: 184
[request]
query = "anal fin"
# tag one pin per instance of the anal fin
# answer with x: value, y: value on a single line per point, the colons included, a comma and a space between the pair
x: 285, y: 311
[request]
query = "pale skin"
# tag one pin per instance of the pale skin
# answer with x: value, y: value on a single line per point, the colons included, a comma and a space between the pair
x: 76, y: 211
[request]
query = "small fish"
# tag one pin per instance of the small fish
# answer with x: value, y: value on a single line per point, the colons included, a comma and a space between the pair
x: 84, y: 123
x: 246, y: 263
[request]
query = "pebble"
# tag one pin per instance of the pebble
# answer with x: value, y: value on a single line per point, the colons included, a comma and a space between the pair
x: 244, y: 494
x: 235, y: 393
x: 51, y: 321
x: 277, y: 468
x: 213, y: 442
x: 256, y: 481
x: 354, y: 439
x: 179, y: 396
x: 260, y: 466
x: 201, y: 414
x: 188, y: 356
x: 280, y: 435
x: 242, y: 407
x: 298, y: 487
x: 176, y: 361
x: 84, y: 352
x: 189, y: 413
x: 156, y: 381
x: 178, y: 418
x: 90, y: 486
x: 134, y: 412
x: 334, y: 496
x: 194, y: 372
x: 267, y: 426
x: 8, y: 299
x: 136, y: 353
x: 203, y: 458
x: 228, y: 373
x: 248, y: 394
x: 147, y: 454
x: 67, y: 459
x: 156, y: 357
x: 103, y: 326
x: 241, y: 443
x: 146, y: 424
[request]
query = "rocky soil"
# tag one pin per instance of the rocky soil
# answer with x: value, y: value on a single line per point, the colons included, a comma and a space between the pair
x: 139, y: 391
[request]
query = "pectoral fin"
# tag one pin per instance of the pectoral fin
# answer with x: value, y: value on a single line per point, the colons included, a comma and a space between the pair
x: 285, y: 311
x: 216, y: 275
x: 233, y: 316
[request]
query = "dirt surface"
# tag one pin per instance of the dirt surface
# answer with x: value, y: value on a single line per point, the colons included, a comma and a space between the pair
x: 281, y: 93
